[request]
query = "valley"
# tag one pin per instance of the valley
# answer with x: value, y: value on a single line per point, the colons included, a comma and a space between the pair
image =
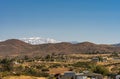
x: 20, y: 59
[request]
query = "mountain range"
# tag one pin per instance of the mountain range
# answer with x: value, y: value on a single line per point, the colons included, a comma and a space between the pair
x: 14, y: 47
x: 40, y: 40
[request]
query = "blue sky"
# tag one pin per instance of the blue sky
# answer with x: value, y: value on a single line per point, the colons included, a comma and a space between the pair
x: 96, y: 21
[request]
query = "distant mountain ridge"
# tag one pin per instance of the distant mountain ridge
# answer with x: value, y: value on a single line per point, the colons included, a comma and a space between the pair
x: 40, y: 40
x: 18, y: 47
x: 117, y: 44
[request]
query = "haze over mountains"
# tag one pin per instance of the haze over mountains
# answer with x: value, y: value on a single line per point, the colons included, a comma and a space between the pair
x: 18, y: 47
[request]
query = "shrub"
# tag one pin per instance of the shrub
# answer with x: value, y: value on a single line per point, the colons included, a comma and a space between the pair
x: 55, y: 65
x: 7, y: 64
x: 44, y: 69
x: 101, y: 70
x: 81, y: 64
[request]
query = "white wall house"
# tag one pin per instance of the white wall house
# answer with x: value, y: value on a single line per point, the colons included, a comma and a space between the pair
x: 118, y: 77
x: 73, y: 75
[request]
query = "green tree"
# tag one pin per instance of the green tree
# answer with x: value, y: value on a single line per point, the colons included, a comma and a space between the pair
x: 101, y: 70
x: 7, y: 64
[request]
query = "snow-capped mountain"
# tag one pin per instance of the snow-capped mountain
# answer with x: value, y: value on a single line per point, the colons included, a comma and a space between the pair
x: 74, y: 42
x: 117, y: 44
x: 38, y: 40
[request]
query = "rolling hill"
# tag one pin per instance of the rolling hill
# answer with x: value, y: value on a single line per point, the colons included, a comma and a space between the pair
x: 16, y: 47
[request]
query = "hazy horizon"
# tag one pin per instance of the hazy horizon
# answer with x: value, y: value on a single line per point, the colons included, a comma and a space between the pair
x: 64, y: 20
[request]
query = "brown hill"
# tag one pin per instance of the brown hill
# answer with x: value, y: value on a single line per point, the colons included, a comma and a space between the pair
x: 17, y: 47
x: 14, y: 46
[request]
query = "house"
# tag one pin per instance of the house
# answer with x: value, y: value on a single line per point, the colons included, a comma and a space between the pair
x: 99, y: 59
x: 95, y: 59
x: 16, y: 63
x: 88, y: 75
x: 104, y: 59
x: 68, y: 75
x: 117, y: 76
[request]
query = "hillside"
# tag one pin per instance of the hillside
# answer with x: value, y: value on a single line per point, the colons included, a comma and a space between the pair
x: 17, y: 47
x: 13, y: 47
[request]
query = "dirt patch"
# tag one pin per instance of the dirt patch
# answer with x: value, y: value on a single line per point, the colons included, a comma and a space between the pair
x: 23, y: 77
x: 57, y: 70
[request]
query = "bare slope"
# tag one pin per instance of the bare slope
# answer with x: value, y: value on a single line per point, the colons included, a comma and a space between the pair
x: 17, y: 47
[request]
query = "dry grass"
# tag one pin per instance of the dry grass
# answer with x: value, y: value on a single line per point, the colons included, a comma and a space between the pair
x: 23, y: 77
x: 89, y: 55
x: 57, y: 70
